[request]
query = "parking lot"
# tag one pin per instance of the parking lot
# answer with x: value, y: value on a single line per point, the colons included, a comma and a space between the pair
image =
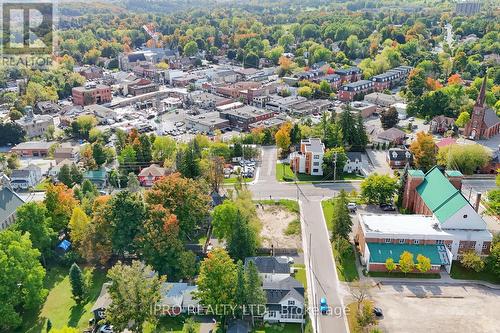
x: 442, y: 308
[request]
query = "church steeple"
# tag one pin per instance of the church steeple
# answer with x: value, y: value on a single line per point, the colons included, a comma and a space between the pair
x: 482, y: 93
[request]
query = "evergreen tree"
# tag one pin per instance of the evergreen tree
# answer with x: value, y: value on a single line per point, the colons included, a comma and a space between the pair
x: 98, y: 154
x: 295, y: 134
x: 188, y: 163
x: 64, y: 176
x: 242, y: 241
x: 146, y: 148
x: 76, y: 174
x: 77, y: 282
x: 342, y: 223
x: 49, y: 325
x: 333, y: 136
x: 255, y: 296
x: 133, y: 184
x: 240, y: 295
x: 361, y: 136
x: 348, y: 126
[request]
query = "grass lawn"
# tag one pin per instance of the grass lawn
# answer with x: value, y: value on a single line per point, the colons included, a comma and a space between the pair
x: 327, y: 206
x: 462, y: 273
x: 346, y: 267
x: 59, y: 306
x: 42, y: 186
x: 169, y: 324
x: 290, y: 205
x: 301, y: 274
x: 278, y: 328
x: 234, y: 180
x: 285, y: 173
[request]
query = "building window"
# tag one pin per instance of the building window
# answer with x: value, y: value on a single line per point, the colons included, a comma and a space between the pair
x: 485, y: 246
x: 388, y: 240
x: 440, y: 242
x: 316, y: 157
x: 465, y: 216
x: 402, y: 241
x: 291, y: 302
x: 416, y: 241
x: 315, y: 170
x: 316, y: 163
x: 461, y: 245
x: 272, y: 314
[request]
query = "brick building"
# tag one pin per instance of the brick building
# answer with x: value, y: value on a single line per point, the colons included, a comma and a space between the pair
x: 309, y: 159
x: 246, y: 115
x: 348, y: 75
x: 484, y: 122
x: 91, y: 93
x: 358, y: 89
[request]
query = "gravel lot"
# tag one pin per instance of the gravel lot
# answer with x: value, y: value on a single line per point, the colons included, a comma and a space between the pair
x: 440, y: 308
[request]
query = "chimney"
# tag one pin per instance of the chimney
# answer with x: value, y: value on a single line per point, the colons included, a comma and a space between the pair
x: 414, y: 179
x: 478, y: 201
x: 455, y: 177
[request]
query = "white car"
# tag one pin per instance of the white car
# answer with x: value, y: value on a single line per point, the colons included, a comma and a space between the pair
x: 352, y: 206
x: 106, y: 329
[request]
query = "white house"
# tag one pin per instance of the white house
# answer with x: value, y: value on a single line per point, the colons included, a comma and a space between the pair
x: 354, y: 163
x: 26, y: 178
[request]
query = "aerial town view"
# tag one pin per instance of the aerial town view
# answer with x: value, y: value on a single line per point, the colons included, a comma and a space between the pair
x: 264, y: 166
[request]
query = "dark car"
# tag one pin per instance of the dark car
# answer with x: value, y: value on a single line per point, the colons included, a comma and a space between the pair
x: 388, y: 208
x: 378, y: 312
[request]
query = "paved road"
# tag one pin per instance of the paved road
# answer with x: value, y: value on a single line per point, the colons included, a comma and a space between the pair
x: 321, y: 272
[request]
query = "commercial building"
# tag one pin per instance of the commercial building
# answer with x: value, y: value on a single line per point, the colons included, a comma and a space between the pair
x: 33, y: 149
x: 439, y: 195
x: 246, y: 115
x: 364, y: 108
x: 383, y: 100
x: 91, y: 93
x: 35, y: 125
x: 284, y: 104
x: 355, y: 90
x: 309, y: 159
x: 207, y: 122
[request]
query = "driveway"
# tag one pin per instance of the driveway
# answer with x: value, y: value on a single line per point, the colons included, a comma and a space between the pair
x: 378, y: 162
x: 419, y: 307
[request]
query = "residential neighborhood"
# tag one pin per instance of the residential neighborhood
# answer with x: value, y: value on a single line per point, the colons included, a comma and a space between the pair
x: 250, y: 167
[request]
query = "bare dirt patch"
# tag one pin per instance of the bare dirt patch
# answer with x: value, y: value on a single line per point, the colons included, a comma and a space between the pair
x: 275, y: 221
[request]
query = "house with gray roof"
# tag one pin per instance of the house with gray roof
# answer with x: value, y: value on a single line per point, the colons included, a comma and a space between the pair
x: 9, y: 202
x: 285, y: 300
x: 270, y: 266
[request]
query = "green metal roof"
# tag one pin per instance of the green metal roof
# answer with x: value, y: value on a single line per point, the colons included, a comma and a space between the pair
x: 440, y: 196
x: 416, y: 173
x: 453, y: 173
x: 379, y: 253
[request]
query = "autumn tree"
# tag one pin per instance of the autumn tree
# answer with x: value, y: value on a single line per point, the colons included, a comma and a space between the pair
x: 95, y: 245
x: 60, y: 202
x: 134, y: 289
x: 185, y: 198
x: 78, y: 225
x: 390, y: 265
x: 214, y: 172
x: 160, y: 245
x: 406, y: 263
x: 282, y: 137
x: 472, y: 260
x: 423, y: 263
x: 424, y: 151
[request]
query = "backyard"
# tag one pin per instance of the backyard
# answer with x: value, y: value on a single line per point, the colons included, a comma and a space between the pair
x: 59, y: 306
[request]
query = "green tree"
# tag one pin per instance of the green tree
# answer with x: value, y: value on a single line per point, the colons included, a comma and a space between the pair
x: 77, y: 283
x: 341, y: 221
x: 127, y: 214
x: 188, y: 162
x: 217, y: 280
x: 348, y: 125
x: 31, y: 218
x: 493, y: 259
x: 164, y: 147
x: 78, y: 225
x: 64, y: 176
x: 390, y: 265
x: 361, y: 139
x: 98, y: 154
x: 406, y: 263
x: 242, y: 242
x: 251, y: 60
x: 76, y: 174
x: 133, y: 184
x: 295, y: 134
x: 378, y: 188
x: 21, y: 278
x: 389, y: 118
x: 190, y: 49
x: 305, y: 91
x: 423, y: 263
x: 128, y: 158
x: 330, y: 162
x: 472, y: 260
x: 466, y: 158
x: 133, y: 290
x: 462, y: 119
x: 255, y: 295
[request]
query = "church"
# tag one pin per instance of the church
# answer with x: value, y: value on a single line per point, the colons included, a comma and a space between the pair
x: 484, y: 122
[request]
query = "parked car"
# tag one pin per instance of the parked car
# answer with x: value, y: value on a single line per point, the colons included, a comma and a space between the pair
x: 387, y: 207
x: 378, y: 312
x: 352, y: 207
x: 323, y: 305
x: 106, y: 329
